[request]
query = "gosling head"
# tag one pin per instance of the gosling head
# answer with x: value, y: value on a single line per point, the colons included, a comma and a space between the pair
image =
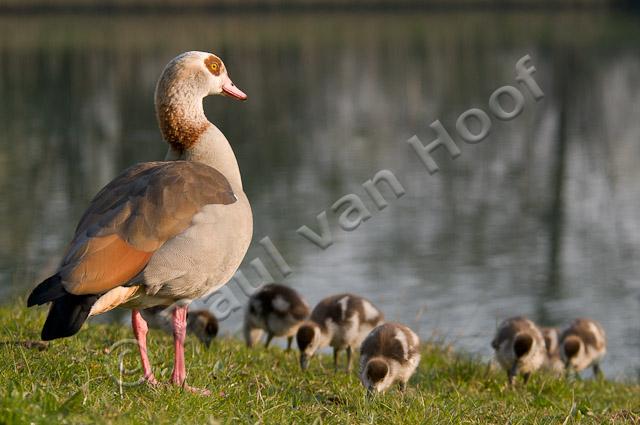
x: 571, y: 348
x: 308, y: 339
x: 522, y: 345
x: 376, y: 376
x: 204, y: 325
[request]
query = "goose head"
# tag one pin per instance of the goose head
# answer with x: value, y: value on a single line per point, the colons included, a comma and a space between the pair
x: 197, y: 74
x: 185, y: 82
x: 218, y: 78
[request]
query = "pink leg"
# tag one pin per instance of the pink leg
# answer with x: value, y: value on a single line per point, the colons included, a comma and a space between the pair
x: 140, y: 331
x: 179, y: 375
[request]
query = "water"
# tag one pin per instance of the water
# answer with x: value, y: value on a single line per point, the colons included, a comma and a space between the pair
x: 541, y: 218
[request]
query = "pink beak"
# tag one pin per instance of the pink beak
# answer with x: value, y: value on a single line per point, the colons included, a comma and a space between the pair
x: 230, y: 89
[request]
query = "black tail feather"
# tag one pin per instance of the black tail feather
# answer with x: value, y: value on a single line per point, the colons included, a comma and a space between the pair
x: 66, y: 315
x: 49, y: 290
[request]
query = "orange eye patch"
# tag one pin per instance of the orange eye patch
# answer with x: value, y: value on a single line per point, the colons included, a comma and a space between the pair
x: 214, y: 65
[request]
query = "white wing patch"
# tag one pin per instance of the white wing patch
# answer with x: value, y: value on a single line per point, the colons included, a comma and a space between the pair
x: 343, y: 306
x: 370, y: 312
x: 596, y: 333
x: 280, y: 304
x: 415, y: 341
x: 402, y: 339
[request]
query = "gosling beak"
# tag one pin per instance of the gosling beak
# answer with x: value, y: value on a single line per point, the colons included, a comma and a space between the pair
x: 370, y: 394
x: 513, y: 372
x: 567, y: 369
x: 304, y: 361
x: 229, y: 89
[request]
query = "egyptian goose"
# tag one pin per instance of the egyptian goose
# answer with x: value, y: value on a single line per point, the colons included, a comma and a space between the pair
x: 583, y: 344
x: 519, y: 347
x: 553, y: 363
x: 161, y: 232
x: 390, y: 353
x: 202, y: 323
x: 276, y: 309
x: 340, y: 321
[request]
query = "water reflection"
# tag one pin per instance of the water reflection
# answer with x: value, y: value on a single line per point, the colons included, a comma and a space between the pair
x: 540, y: 218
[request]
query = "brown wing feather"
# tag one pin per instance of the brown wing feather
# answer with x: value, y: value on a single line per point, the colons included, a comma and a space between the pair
x: 133, y: 216
x: 108, y: 262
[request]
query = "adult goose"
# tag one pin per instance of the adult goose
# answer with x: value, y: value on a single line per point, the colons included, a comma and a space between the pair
x: 161, y: 233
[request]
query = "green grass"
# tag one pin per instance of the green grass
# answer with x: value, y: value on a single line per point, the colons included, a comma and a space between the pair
x: 70, y: 381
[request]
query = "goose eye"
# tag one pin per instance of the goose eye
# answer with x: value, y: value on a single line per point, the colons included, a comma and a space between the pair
x: 213, y: 65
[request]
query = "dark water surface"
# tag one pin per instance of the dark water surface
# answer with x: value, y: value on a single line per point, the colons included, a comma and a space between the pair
x: 542, y: 218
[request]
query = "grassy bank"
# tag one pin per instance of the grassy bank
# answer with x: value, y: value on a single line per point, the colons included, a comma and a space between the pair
x: 70, y: 381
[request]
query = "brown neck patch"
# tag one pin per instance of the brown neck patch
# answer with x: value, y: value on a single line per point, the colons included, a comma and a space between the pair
x: 214, y: 65
x: 177, y: 130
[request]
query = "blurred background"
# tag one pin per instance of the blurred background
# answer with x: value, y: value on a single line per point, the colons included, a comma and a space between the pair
x: 541, y: 218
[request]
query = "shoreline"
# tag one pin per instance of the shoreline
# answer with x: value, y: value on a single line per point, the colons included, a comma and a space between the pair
x: 124, y: 7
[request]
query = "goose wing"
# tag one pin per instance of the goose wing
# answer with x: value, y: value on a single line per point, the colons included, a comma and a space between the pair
x: 133, y: 216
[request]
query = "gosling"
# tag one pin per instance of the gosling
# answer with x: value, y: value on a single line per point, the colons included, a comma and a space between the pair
x: 389, y: 354
x: 519, y: 347
x: 202, y: 323
x: 553, y: 362
x: 276, y: 309
x: 340, y: 321
x: 583, y: 344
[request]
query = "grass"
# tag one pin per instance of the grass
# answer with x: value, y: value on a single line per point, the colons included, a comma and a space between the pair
x: 70, y: 381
